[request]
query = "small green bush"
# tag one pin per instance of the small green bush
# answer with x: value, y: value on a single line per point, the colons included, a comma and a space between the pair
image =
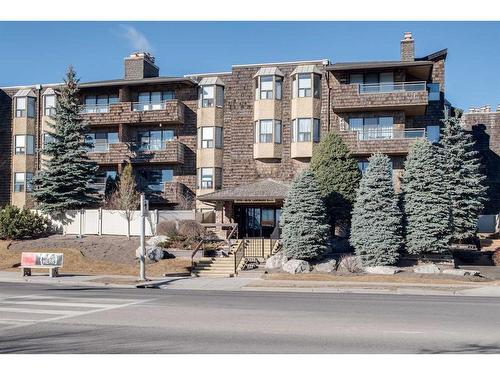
x: 22, y: 224
x: 167, y: 228
x: 191, y: 229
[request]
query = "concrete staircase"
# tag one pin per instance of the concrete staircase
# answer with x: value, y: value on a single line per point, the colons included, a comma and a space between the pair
x: 217, y: 266
x: 490, y: 244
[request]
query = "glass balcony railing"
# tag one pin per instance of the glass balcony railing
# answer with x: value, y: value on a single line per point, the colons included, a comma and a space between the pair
x: 153, y: 145
x: 148, y: 106
x: 374, y: 88
x: 95, y: 108
x: 100, y: 147
x: 381, y: 134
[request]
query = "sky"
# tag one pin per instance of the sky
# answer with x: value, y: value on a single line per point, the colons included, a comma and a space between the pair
x: 39, y: 52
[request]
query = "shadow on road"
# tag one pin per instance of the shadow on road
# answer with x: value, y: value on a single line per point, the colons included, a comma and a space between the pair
x: 467, y: 349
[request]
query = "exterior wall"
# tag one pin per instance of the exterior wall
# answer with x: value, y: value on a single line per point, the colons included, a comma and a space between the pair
x: 6, y: 145
x: 485, y: 128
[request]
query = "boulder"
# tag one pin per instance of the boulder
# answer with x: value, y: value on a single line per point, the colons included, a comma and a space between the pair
x: 153, y: 253
x: 154, y: 241
x: 461, y: 272
x: 276, y: 261
x: 326, y: 266
x: 296, y: 266
x: 350, y: 263
x: 382, y: 270
x: 426, y: 268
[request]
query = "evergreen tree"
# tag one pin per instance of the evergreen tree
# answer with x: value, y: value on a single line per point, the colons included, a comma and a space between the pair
x: 463, y: 177
x: 63, y: 184
x: 304, y: 223
x: 426, y: 203
x: 376, y: 217
x: 338, y: 176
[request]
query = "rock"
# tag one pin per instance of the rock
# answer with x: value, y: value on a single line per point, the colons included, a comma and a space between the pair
x: 350, y: 263
x: 154, y: 241
x: 296, y: 266
x: 276, y: 261
x: 426, y: 268
x: 153, y: 254
x: 326, y: 267
x: 461, y: 272
x: 382, y: 270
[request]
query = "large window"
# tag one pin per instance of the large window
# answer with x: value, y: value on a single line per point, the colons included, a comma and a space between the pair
x: 433, y: 133
x: 305, y: 130
x: 306, y: 85
x: 154, y: 139
x: 373, y: 82
x: 99, y: 103
x: 268, y: 87
x: 362, y: 165
x: 46, y: 139
x: 211, y: 95
x: 210, y: 137
x: 49, y: 105
x: 372, y: 127
x: 152, y: 100
x: 25, y: 107
x: 22, y: 182
x: 268, y: 131
x: 434, y: 94
x: 155, y: 179
x: 100, y: 141
x: 24, y: 145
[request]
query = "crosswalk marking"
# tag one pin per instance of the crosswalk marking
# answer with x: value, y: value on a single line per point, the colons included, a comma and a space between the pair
x: 24, y: 310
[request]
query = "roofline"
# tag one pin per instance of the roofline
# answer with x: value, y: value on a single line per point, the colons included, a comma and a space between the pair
x: 43, y: 85
x: 285, y: 63
x: 376, y: 64
x: 134, y: 82
x: 206, y: 74
x: 443, y: 52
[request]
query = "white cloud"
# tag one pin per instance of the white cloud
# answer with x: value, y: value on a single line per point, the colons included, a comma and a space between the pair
x: 137, y: 40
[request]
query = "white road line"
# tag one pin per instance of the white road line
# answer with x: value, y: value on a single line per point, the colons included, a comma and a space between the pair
x: 37, y: 311
x: 68, y: 304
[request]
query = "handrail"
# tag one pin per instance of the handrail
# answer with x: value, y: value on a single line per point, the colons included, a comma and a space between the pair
x: 238, y: 255
x: 94, y: 108
x: 196, y: 249
x: 276, y: 247
x: 387, y: 87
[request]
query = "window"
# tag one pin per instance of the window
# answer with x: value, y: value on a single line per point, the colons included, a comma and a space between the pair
x: 304, y: 85
x: 317, y: 86
x: 206, y: 178
x: 207, y: 137
x: 302, y: 130
x: 372, y: 127
x: 434, y: 93
x: 99, y: 103
x: 154, y: 139
x: 373, y: 82
x: 277, y: 131
x: 46, y: 139
x: 316, y: 129
x: 267, y: 219
x: 279, y: 87
x: 265, y: 131
x: 218, y: 137
x: 49, y: 106
x: 22, y: 182
x: 152, y: 100
x: 266, y: 87
x: 363, y: 165
x: 25, y: 107
x: 433, y: 133
x: 207, y: 96
x: 24, y: 145
x: 155, y: 179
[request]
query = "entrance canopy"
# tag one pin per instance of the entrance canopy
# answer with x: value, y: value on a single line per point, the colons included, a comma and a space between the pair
x: 261, y: 191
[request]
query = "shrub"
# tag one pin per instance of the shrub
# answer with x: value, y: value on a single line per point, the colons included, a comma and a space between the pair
x: 191, y: 229
x: 167, y: 228
x: 22, y: 224
x: 495, y: 257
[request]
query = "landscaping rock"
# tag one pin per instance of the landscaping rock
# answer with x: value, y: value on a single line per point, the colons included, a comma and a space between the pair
x: 426, y: 268
x: 350, y: 263
x: 276, y: 261
x: 460, y: 272
x: 154, y: 241
x: 153, y: 254
x: 296, y: 266
x: 382, y: 270
x: 326, y: 267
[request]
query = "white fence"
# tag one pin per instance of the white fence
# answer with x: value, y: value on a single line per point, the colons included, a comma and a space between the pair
x: 114, y: 222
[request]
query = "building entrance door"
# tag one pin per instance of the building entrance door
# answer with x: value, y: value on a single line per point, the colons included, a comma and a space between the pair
x: 258, y: 221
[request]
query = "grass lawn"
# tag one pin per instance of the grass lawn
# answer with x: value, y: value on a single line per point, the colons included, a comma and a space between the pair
x: 75, y: 262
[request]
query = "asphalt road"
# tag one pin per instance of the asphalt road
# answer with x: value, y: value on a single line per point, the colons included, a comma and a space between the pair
x: 51, y: 319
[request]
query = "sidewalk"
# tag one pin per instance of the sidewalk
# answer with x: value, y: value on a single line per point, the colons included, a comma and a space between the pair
x: 262, y: 285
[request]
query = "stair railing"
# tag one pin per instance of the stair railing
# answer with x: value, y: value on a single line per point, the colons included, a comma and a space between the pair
x: 238, y: 255
x: 196, y: 249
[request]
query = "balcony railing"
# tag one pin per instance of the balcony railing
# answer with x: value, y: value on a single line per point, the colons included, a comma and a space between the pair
x: 141, y: 107
x: 382, y: 134
x: 100, y: 147
x: 95, y: 108
x: 374, y: 88
x: 154, y: 145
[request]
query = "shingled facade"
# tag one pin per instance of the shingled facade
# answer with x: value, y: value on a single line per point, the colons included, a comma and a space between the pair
x: 196, y: 139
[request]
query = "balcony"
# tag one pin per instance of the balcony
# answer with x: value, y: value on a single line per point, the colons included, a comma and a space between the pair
x: 387, y: 141
x: 412, y: 97
x: 170, y: 111
x: 117, y: 153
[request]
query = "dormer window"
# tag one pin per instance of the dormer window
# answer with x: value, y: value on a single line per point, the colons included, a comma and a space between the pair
x: 307, y: 84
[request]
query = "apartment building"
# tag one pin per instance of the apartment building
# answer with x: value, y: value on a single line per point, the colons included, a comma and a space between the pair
x: 229, y: 143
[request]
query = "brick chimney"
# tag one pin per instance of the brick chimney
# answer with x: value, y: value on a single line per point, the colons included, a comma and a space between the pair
x: 407, y: 47
x: 140, y: 65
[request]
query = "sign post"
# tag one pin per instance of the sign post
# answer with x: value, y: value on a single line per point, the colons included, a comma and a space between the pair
x: 144, y: 213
